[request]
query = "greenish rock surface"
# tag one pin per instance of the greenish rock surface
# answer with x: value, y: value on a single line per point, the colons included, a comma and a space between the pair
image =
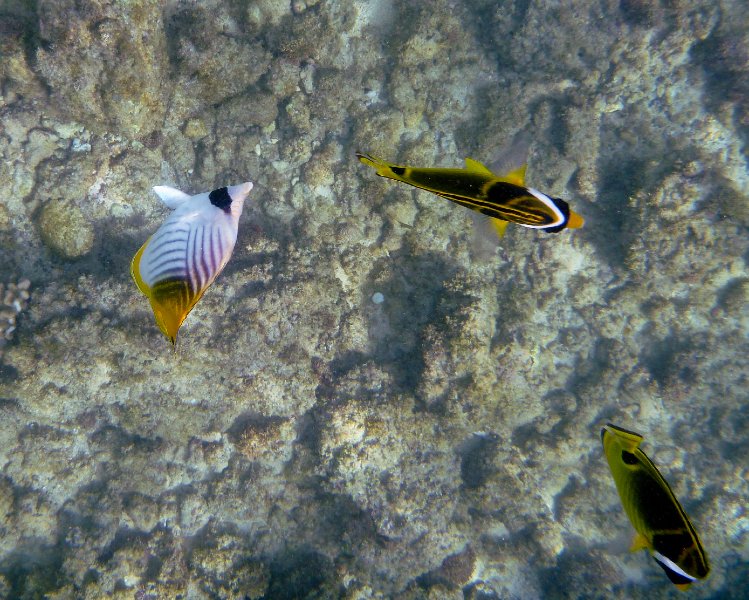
x: 64, y: 229
x: 306, y: 440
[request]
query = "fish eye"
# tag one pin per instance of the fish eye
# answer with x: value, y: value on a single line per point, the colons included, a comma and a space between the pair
x: 628, y: 458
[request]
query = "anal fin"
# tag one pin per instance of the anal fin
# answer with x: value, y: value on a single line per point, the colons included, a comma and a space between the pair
x: 500, y: 227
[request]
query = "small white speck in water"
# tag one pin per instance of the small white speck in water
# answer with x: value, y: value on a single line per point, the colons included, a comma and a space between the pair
x: 378, y: 298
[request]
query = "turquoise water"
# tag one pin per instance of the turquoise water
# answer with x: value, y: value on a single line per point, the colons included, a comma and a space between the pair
x: 375, y: 399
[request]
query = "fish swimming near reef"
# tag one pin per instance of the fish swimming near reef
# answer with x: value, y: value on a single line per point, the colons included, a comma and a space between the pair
x: 661, y: 524
x: 181, y: 260
x: 505, y: 199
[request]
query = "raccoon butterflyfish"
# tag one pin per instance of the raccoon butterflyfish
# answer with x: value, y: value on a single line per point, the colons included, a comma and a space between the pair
x: 505, y: 199
x: 661, y: 524
x: 177, y: 263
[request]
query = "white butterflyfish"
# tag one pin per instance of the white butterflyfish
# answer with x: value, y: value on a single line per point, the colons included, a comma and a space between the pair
x: 182, y: 259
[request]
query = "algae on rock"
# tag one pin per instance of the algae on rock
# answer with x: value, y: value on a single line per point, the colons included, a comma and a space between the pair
x: 65, y: 230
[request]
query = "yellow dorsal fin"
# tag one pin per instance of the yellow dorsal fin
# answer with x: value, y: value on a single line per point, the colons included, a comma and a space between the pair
x: 639, y: 543
x: 516, y: 177
x: 500, y: 227
x: 477, y: 167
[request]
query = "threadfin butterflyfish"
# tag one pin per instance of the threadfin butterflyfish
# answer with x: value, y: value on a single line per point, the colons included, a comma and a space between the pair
x: 505, y: 199
x: 181, y: 260
x: 661, y: 524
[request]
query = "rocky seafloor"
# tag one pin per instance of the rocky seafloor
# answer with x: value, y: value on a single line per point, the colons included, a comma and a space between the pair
x: 306, y: 441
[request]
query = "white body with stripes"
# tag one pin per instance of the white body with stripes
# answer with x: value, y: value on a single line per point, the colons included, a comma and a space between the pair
x: 196, y: 240
x: 186, y: 254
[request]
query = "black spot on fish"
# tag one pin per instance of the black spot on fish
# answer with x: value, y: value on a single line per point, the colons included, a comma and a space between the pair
x: 628, y: 458
x: 398, y: 170
x: 220, y: 198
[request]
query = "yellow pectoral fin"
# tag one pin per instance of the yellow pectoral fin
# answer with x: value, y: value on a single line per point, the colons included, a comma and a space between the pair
x: 640, y: 542
x: 500, y: 227
x: 516, y: 177
x: 476, y: 167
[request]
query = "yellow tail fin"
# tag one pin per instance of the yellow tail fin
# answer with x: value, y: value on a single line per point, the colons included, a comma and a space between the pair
x: 575, y: 220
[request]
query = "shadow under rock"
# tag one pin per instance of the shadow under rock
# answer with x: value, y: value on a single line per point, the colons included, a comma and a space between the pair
x: 476, y: 459
x: 723, y: 56
x: 33, y: 569
x: 580, y: 572
x: 255, y: 230
x: 736, y: 573
x: 611, y: 225
x: 412, y: 288
x: 109, y: 257
x: 19, y: 19
x: 591, y: 370
x: 669, y: 358
x: 635, y: 156
x: 344, y: 524
x: 302, y: 573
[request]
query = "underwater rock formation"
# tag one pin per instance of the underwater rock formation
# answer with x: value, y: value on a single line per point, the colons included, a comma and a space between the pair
x: 365, y: 405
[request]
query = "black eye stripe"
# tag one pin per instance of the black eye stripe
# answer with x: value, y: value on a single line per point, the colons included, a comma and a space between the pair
x: 628, y: 458
x: 220, y: 198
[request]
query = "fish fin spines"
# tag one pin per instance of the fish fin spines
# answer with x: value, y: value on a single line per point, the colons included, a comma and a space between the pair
x: 477, y: 167
x: 170, y: 196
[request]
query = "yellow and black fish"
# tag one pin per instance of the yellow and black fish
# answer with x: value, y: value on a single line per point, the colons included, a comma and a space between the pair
x: 661, y: 524
x: 504, y: 198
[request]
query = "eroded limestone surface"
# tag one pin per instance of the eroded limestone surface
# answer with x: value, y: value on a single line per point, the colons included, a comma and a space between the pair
x: 364, y: 405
